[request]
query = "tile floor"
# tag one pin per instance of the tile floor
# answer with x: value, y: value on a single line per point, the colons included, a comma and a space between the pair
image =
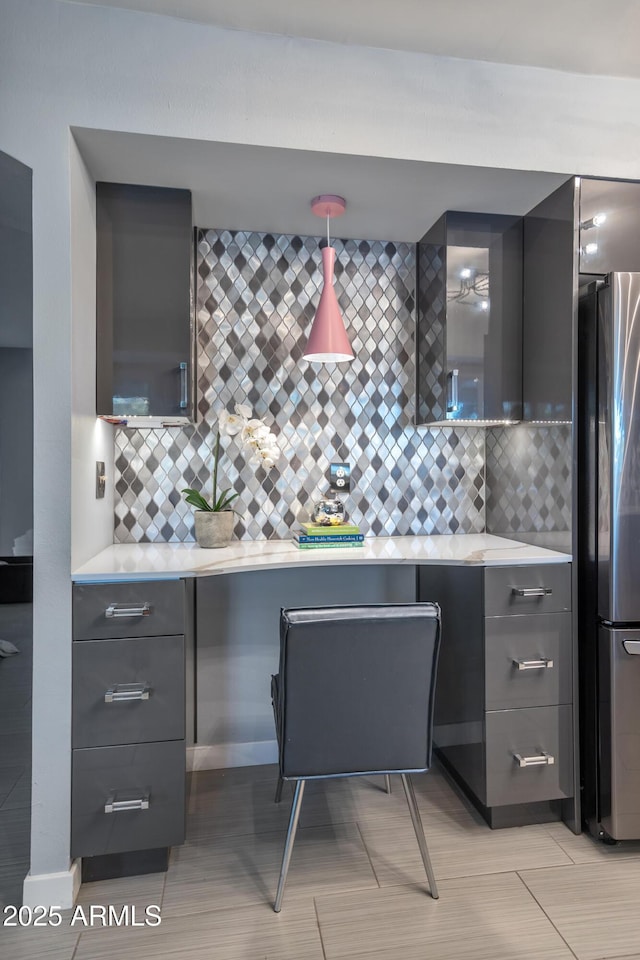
x: 356, y: 887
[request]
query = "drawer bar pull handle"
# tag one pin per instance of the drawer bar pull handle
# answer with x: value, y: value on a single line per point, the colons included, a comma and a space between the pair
x: 123, y: 692
x: 543, y: 664
x: 119, y: 806
x: 543, y: 759
x: 115, y: 611
x: 531, y: 591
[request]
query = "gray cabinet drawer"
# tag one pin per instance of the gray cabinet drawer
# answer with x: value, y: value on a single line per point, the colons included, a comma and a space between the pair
x: 528, y: 661
x: 128, y: 691
x: 517, y: 590
x: 153, y: 773
x: 111, y: 610
x: 528, y: 733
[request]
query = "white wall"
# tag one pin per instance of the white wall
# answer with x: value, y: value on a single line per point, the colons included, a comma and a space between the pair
x: 67, y: 64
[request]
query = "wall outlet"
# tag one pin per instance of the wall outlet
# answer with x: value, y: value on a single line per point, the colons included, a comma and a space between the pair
x: 340, y: 477
x: 101, y: 480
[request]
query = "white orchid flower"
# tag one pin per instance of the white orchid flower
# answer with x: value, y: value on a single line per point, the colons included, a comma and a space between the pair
x: 229, y: 424
x: 267, y: 456
x: 256, y: 438
x: 255, y: 430
x: 270, y: 451
x: 266, y: 462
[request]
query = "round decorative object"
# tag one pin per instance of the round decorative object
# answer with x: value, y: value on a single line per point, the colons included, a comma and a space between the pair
x: 329, y: 511
x: 214, y: 529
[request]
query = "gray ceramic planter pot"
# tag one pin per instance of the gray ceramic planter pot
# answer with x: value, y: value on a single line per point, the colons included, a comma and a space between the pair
x: 214, y: 529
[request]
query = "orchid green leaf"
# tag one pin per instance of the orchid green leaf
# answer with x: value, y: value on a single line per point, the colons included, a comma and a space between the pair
x: 196, y: 500
x: 224, y: 501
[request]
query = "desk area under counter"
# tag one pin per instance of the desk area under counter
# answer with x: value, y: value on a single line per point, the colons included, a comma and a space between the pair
x: 226, y: 603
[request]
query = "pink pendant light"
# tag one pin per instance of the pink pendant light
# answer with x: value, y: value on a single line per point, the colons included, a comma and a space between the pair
x: 328, y: 341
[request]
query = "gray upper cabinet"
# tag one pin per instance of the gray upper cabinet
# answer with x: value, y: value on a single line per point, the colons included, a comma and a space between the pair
x: 145, y: 333
x: 585, y: 229
x: 469, y: 319
x: 550, y: 304
x: 609, y: 226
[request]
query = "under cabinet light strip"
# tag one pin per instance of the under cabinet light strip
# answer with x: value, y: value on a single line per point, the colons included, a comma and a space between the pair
x: 492, y: 423
x: 141, y: 423
x: 469, y: 423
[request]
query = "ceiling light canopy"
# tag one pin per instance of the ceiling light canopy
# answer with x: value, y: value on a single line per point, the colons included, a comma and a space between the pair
x: 328, y: 341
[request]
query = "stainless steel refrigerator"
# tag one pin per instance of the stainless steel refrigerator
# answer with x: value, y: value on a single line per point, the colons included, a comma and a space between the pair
x: 608, y: 426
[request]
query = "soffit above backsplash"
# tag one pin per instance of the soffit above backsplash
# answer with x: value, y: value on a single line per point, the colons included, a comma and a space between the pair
x: 261, y: 188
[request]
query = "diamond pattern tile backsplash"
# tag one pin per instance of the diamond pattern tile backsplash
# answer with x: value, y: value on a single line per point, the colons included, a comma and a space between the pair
x: 528, y: 472
x: 256, y: 297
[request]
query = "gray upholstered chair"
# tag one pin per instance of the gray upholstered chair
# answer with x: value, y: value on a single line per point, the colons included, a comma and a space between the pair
x: 354, y: 695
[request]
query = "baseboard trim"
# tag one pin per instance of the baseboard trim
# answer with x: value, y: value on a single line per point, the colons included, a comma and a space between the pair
x: 133, y: 863
x: 52, y: 889
x: 499, y: 818
x: 221, y: 755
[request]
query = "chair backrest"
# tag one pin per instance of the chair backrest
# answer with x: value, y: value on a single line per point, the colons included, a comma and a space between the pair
x: 357, y: 689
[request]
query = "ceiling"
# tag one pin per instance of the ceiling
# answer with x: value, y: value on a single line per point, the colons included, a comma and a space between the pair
x: 580, y: 36
x: 267, y: 189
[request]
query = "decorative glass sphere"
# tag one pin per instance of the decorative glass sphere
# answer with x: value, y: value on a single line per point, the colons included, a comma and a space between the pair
x: 329, y: 511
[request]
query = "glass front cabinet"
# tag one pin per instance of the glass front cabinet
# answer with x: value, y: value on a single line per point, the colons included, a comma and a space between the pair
x: 469, y: 319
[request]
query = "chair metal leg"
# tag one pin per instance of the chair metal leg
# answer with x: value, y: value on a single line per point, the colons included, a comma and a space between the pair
x: 288, y: 847
x: 417, y: 826
x: 387, y: 782
x: 278, y: 796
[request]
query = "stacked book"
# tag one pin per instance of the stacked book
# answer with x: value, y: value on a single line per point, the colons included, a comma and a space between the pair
x: 314, y: 536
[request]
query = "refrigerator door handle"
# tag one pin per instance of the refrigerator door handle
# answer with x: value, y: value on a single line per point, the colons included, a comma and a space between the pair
x: 632, y: 646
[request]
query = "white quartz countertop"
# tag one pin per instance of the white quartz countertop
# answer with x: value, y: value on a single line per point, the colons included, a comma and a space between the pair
x: 167, y: 561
